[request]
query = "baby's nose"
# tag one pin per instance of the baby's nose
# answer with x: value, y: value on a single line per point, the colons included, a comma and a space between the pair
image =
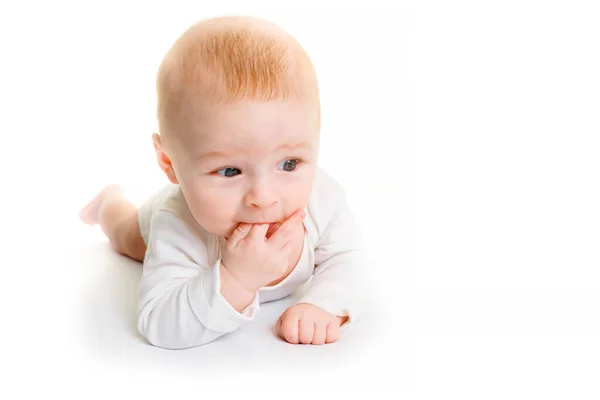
x: 262, y: 196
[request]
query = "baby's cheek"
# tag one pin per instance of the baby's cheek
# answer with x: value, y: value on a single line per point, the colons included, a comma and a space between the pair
x: 300, y: 197
x: 212, y: 214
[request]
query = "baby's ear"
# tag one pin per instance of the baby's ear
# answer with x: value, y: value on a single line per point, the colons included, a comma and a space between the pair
x: 164, y: 162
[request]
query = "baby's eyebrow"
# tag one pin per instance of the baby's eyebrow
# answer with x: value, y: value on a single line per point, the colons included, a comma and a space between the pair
x: 222, y: 154
x: 294, y: 146
x: 217, y: 154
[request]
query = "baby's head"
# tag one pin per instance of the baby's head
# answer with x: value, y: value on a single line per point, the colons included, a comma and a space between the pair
x: 239, y: 122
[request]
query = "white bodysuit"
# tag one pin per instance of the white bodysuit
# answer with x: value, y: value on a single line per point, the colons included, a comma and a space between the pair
x: 180, y: 304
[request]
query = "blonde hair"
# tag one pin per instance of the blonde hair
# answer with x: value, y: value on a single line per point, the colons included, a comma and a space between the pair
x: 227, y: 59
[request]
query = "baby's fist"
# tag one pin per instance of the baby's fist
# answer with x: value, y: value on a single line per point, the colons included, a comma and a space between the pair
x: 308, y: 324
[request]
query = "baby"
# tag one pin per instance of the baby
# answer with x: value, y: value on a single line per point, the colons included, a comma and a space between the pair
x: 247, y: 217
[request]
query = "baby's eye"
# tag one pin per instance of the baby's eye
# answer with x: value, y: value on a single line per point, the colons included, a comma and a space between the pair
x: 289, y: 165
x: 229, y: 172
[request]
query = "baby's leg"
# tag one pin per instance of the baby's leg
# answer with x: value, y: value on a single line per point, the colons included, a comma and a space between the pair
x: 119, y: 220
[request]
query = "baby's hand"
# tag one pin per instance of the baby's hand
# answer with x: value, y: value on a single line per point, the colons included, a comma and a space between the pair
x: 255, y: 260
x: 309, y: 324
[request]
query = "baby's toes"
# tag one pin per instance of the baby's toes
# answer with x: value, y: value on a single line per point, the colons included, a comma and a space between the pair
x: 89, y: 213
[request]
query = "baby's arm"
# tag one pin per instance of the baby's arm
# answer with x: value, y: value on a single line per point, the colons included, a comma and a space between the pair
x: 184, y: 301
x: 336, y: 294
x: 338, y: 284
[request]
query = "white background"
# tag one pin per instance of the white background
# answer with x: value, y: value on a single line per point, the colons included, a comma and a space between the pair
x: 466, y: 134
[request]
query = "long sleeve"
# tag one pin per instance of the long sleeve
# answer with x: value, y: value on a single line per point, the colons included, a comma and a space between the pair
x: 338, y: 284
x: 180, y: 304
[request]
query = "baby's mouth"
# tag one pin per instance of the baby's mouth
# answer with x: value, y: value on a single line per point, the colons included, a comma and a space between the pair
x: 272, y: 228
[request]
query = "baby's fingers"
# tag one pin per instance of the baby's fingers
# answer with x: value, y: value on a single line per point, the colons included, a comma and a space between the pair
x: 288, y: 329
x: 258, y: 232
x: 333, y: 333
x: 280, y: 237
x: 320, y: 334
x: 306, y: 331
x: 238, y: 234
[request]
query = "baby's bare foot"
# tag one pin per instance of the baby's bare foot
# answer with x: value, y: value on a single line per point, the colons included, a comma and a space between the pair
x: 89, y: 213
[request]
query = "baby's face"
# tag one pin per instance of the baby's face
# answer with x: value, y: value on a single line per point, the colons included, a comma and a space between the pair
x: 248, y: 162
